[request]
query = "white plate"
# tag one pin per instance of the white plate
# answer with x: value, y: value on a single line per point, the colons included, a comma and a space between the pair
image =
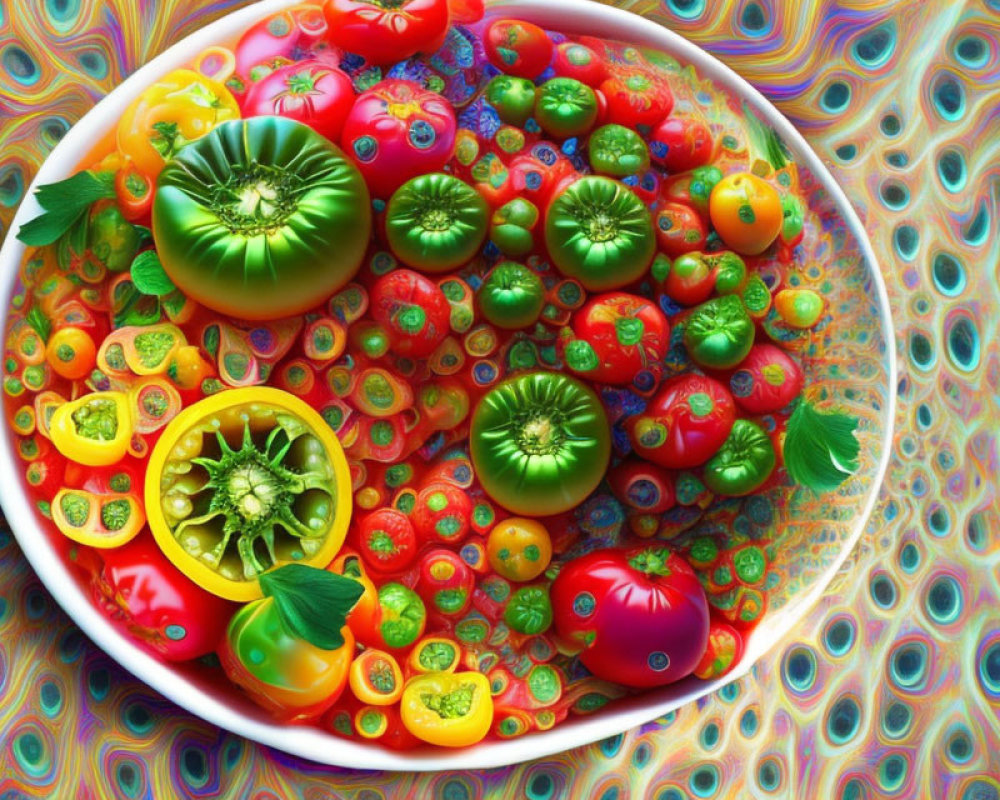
x: 225, y: 706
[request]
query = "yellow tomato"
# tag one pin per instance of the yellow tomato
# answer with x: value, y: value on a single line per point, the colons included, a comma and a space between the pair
x: 98, y: 520
x: 746, y: 212
x: 519, y: 548
x: 434, y: 654
x: 243, y: 481
x: 376, y: 678
x: 93, y: 430
x: 178, y: 108
x: 450, y: 709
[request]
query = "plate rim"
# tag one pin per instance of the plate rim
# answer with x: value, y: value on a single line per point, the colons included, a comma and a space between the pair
x: 311, y: 743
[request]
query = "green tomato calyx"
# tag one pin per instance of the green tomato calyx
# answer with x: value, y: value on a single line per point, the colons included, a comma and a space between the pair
x: 652, y: 561
x: 256, y: 200
x: 540, y: 434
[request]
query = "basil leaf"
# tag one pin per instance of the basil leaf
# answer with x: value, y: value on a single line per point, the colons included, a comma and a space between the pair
x: 820, y: 450
x: 39, y: 322
x: 148, y: 275
x: 313, y: 603
x: 63, y: 204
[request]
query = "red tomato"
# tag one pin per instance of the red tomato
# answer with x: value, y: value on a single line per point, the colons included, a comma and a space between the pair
x: 685, y: 423
x: 643, y: 486
x: 533, y: 175
x: 636, y: 97
x: 615, y: 337
x: 387, y: 540
x: 766, y: 380
x: 680, y: 229
x: 413, y: 310
x: 687, y: 281
x: 681, y: 143
x: 398, y: 130
x: 158, y: 604
x: 518, y: 48
x: 465, y: 12
x: 443, y: 513
x: 313, y: 92
x: 445, y: 583
x: 291, y: 35
x: 575, y: 60
x: 640, y: 613
x: 386, y: 32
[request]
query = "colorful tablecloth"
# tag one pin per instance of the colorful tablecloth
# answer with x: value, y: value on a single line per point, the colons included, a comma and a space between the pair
x: 890, y: 687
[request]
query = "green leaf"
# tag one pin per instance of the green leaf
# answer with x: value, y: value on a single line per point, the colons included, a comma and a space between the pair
x: 148, y: 275
x: 39, y: 322
x: 821, y: 450
x: 764, y: 141
x: 63, y: 204
x: 313, y: 603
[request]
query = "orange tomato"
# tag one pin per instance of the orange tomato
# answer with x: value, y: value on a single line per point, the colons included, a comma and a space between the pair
x: 71, y: 353
x: 519, y: 548
x: 746, y: 212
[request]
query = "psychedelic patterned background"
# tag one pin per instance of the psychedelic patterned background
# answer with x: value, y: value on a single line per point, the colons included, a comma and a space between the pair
x: 890, y: 687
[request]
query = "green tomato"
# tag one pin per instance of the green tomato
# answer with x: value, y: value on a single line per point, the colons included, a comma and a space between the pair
x: 512, y: 97
x: 540, y: 443
x: 512, y: 225
x: 512, y: 296
x: 436, y: 222
x: 565, y: 107
x: 730, y: 271
x: 529, y: 610
x: 403, y: 615
x: 114, y: 240
x: 745, y: 460
x: 599, y: 232
x: 703, y: 180
x: 618, y: 151
x: 719, y: 333
x: 261, y: 218
x: 792, y: 219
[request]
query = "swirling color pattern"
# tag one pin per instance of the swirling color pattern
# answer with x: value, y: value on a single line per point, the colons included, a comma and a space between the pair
x: 889, y: 688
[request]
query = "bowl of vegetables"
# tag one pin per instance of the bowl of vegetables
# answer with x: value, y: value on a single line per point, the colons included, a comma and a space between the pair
x: 433, y: 386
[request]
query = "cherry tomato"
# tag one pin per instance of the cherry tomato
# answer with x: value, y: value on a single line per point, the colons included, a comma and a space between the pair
x: 636, y: 97
x: 443, y: 513
x: 364, y: 618
x: 518, y: 48
x: 159, y: 605
x: 291, y: 35
x: 680, y: 229
x: 387, y: 31
x: 574, y: 60
x: 387, y: 541
x: 685, y: 423
x: 641, y: 614
x: 375, y: 678
x: 767, y: 380
x: 71, y: 353
x: 693, y: 276
x: 445, y: 582
x: 519, y: 548
x: 398, y: 130
x: 692, y: 188
x: 618, y: 338
x: 724, y: 651
x: 313, y: 92
x: 413, y: 311
x: 643, y: 486
x: 681, y: 143
x: 746, y: 212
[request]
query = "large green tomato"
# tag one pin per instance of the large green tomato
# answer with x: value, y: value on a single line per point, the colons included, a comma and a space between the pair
x: 540, y: 443
x: 261, y: 218
x: 599, y: 232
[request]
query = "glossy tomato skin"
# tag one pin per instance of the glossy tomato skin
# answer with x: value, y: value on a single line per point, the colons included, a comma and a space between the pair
x: 312, y: 91
x: 386, y: 541
x: 640, y: 612
x: 288, y: 36
x: 680, y: 229
x: 681, y: 143
x: 686, y: 422
x: 766, y: 380
x: 518, y: 48
x: 413, y: 310
x: 616, y: 336
x: 158, y: 604
x: 398, y: 130
x: 385, y: 32
x: 746, y: 212
x: 575, y: 60
x: 636, y: 97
